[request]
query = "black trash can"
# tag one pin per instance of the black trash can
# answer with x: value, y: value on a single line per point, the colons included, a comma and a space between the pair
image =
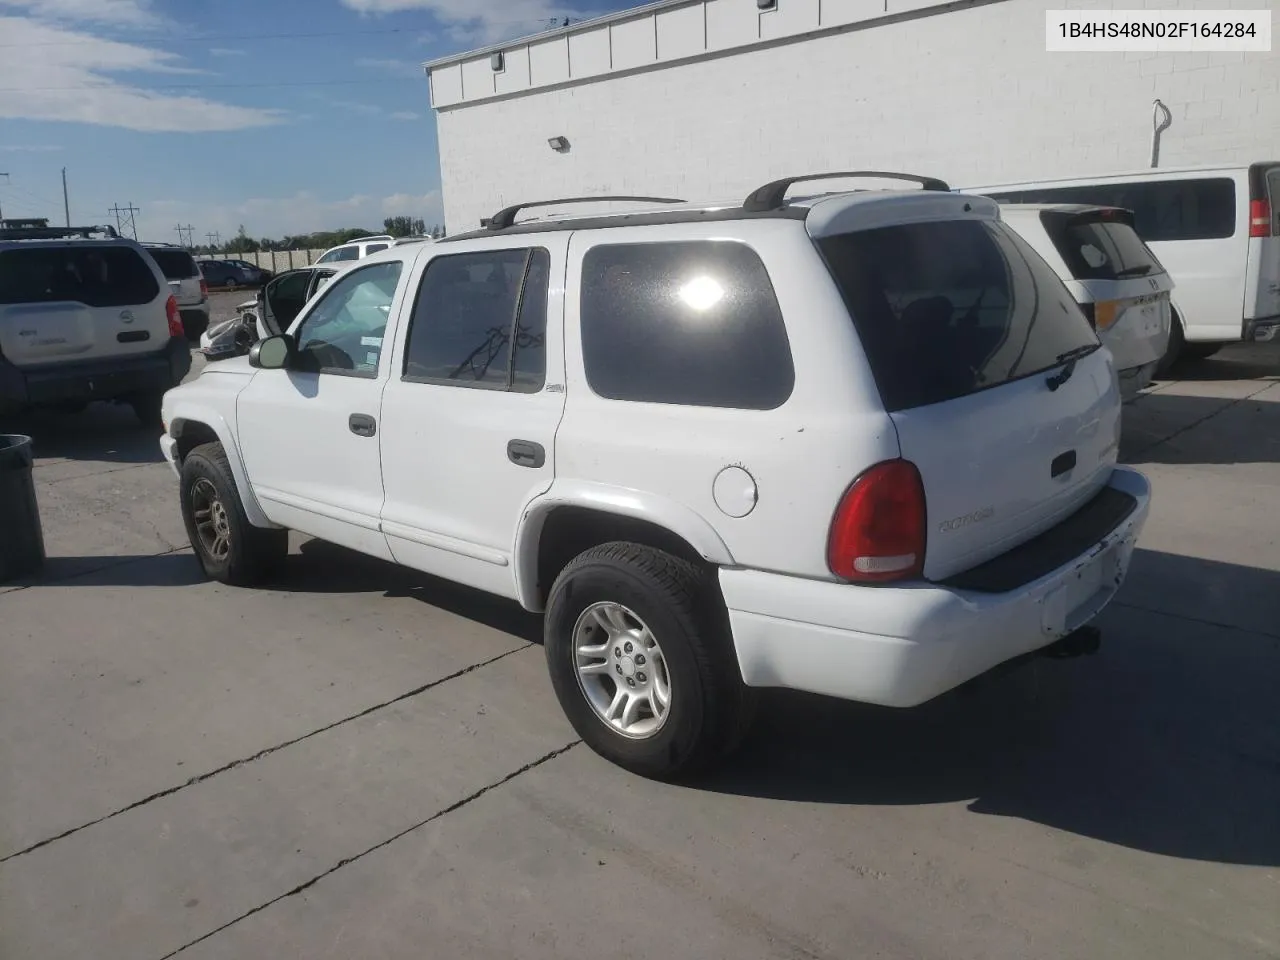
x: 21, y: 538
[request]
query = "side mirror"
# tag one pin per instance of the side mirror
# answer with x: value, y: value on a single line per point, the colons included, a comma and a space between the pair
x: 273, y: 353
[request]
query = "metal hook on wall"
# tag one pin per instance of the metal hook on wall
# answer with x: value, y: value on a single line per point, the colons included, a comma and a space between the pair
x: 1161, y: 120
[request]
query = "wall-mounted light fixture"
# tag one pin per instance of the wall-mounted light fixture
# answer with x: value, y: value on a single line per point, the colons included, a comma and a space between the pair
x: 558, y: 144
x: 495, y: 62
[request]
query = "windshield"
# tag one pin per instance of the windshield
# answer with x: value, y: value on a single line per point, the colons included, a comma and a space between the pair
x: 1096, y: 246
x: 945, y: 309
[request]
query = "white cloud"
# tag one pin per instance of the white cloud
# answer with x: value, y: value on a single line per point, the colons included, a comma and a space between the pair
x: 226, y: 52
x: 483, y: 21
x: 397, y: 68
x: 57, y: 73
x: 279, y: 216
x: 29, y: 148
x: 125, y: 13
x: 405, y: 115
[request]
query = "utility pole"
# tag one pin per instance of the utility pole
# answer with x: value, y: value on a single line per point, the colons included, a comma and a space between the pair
x: 184, y: 235
x: 66, y: 205
x: 214, y: 238
x: 128, y: 222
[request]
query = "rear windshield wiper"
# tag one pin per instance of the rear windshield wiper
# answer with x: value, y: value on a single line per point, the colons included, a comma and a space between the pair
x: 1069, y: 358
x: 1137, y: 270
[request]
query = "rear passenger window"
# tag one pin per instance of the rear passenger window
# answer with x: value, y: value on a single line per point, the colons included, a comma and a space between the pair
x: 480, y: 321
x: 95, y: 276
x: 1193, y: 209
x: 946, y: 309
x: 374, y: 248
x: 693, y: 323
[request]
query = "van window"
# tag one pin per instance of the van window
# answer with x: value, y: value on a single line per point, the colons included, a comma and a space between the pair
x: 693, y: 323
x: 375, y: 247
x: 1096, y: 247
x: 1273, y: 191
x: 1191, y: 209
x: 94, y: 276
x: 947, y: 309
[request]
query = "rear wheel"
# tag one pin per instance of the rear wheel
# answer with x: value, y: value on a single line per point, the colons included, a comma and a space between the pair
x: 146, y: 406
x: 229, y: 548
x: 640, y: 657
x: 1177, y: 343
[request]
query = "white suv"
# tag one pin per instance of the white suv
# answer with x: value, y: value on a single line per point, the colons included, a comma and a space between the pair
x: 85, y: 315
x: 862, y: 444
x: 356, y: 249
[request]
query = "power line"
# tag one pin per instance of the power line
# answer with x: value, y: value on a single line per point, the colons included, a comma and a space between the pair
x: 214, y: 238
x: 215, y: 86
x: 125, y: 220
x: 184, y: 235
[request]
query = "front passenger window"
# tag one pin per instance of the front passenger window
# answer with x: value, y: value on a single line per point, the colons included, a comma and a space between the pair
x: 343, y: 333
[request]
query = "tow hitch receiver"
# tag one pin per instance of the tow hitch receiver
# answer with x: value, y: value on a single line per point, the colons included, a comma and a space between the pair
x: 1081, y: 642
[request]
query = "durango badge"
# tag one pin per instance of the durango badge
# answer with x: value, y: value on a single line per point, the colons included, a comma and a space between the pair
x: 956, y: 523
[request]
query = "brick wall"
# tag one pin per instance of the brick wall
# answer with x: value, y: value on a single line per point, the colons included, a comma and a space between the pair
x: 969, y: 95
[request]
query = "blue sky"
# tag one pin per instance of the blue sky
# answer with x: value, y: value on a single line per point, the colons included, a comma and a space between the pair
x: 283, y: 115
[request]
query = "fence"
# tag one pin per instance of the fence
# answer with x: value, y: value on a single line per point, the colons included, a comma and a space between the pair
x: 273, y: 260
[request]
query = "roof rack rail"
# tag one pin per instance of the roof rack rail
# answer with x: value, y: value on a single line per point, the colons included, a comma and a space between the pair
x: 506, y: 217
x: 772, y: 196
x: 57, y: 233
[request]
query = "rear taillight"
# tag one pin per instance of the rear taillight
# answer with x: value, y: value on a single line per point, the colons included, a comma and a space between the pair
x: 175, y: 318
x: 878, y: 533
x: 1259, y: 218
x: 204, y: 289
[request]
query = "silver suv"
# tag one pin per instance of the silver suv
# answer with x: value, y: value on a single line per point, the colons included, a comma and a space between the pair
x: 186, y: 284
x: 86, y: 315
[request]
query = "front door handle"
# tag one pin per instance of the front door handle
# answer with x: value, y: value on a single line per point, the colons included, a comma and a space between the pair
x: 526, y: 453
x: 362, y: 425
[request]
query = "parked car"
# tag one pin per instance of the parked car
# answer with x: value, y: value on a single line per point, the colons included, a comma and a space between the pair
x: 356, y: 249
x: 186, y: 284
x: 1216, y: 230
x: 86, y: 315
x: 1114, y: 277
x: 220, y: 273
x: 255, y: 275
x: 254, y: 320
x: 861, y: 444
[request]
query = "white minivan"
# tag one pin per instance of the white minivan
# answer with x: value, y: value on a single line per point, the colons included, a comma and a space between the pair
x: 1115, y: 278
x: 1215, y: 229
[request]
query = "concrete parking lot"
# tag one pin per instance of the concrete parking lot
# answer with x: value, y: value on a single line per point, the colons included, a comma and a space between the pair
x: 364, y: 762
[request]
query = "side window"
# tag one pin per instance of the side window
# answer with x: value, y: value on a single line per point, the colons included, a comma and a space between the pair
x: 691, y: 323
x: 374, y: 248
x: 343, y: 333
x: 480, y: 320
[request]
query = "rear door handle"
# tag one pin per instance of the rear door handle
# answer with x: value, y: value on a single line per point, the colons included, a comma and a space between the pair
x: 362, y: 425
x: 526, y: 453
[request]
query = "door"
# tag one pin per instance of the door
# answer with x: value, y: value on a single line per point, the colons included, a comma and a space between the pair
x: 470, y: 412
x: 309, y: 434
x: 1262, y: 284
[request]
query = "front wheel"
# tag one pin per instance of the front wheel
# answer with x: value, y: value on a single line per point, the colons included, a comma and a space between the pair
x: 230, y: 549
x: 641, y: 660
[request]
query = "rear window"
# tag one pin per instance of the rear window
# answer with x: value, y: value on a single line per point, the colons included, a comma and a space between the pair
x: 174, y: 264
x: 375, y: 247
x: 342, y: 253
x: 94, y: 276
x: 1192, y: 209
x: 693, y: 323
x: 947, y: 309
x: 1098, y: 249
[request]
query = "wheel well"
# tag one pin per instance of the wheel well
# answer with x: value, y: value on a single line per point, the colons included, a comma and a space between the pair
x: 568, y: 531
x: 192, y: 435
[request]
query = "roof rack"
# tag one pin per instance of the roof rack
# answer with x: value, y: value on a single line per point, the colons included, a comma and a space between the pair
x: 506, y: 217
x: 57, y: 233
x: 772, y: 196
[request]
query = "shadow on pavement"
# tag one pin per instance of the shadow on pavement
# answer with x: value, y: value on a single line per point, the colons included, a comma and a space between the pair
x: 106, y: 432
x: 1167, y: 741
x: 1162, y: 428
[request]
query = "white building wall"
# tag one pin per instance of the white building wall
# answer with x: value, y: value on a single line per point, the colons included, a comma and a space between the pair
x: 968, y: 95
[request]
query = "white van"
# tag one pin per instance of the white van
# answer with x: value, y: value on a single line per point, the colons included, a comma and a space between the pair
x: 1115, y: 278
x: 1215, y: 229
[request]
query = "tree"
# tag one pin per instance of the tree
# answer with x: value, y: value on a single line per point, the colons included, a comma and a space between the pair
x: 241, y: 243
x: 404, y: 226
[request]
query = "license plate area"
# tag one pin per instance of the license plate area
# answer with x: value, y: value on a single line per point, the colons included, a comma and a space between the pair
x: 1078, y: 597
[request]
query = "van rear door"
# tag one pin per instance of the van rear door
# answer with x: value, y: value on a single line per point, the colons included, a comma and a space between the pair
x: 1262, y: 278
x: 970, y: 335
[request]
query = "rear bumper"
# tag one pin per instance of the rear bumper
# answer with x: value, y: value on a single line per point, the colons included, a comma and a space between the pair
x: 1261, y: 329
x: 95, y: 380
x: 901, y: 646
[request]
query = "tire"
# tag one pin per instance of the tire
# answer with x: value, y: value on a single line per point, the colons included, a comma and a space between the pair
x: 230, y: 549
x: 620, y: 590
x: 146, y: 407
x: 1200, y: 351
x: 1173, y: 353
